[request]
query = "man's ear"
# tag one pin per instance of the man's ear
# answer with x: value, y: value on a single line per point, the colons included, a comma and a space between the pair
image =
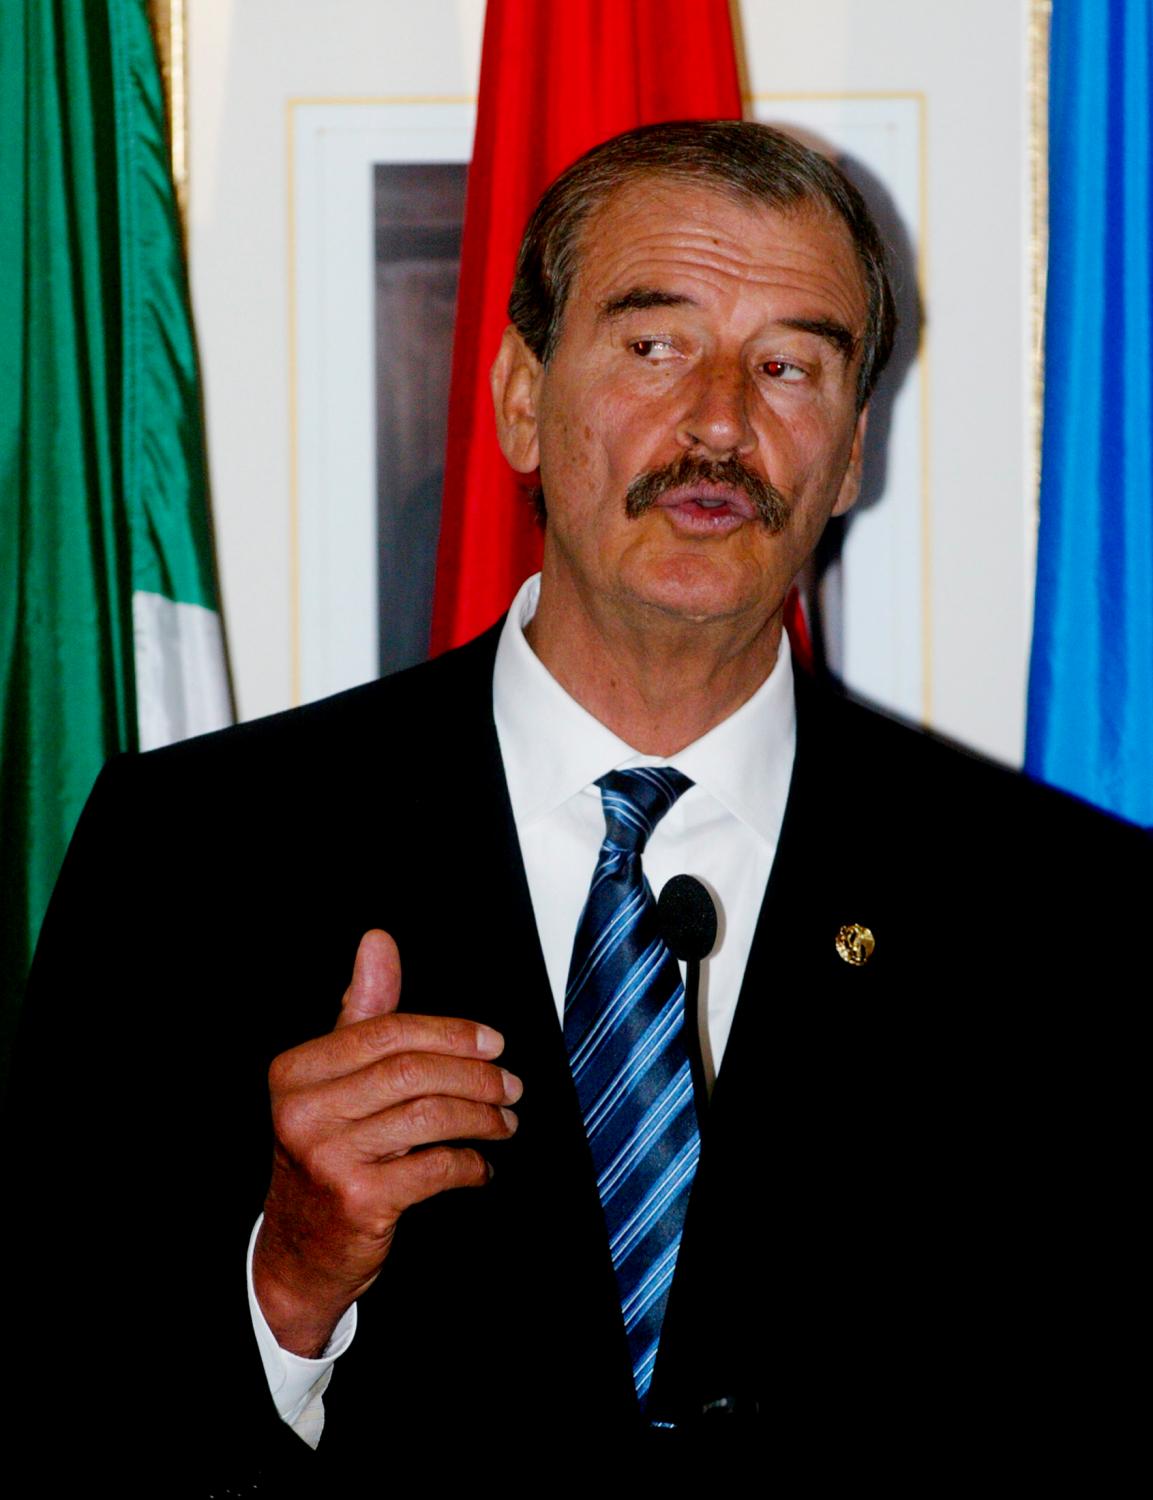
x: 515, y: 381
x: 851, y: 483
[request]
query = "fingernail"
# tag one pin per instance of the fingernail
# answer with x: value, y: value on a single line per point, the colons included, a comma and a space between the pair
x: 488, y: 1042
x: 513, y: 1088
x: 509, y: 1118
x: 488, y: 1168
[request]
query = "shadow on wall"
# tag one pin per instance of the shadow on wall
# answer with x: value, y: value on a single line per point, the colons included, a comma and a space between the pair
x: 822, y: 580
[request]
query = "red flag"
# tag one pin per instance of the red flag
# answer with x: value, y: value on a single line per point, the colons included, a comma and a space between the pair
x: 556, y: 77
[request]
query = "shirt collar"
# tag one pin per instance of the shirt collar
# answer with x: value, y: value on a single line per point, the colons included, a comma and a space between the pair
x: 553, y: 748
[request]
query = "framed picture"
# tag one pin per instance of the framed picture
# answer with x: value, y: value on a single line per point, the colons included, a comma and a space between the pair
x: 377, y: 209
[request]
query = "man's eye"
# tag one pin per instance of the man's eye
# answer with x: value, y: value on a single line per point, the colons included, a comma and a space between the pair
x: 647, y: 347
x: 781, y: 369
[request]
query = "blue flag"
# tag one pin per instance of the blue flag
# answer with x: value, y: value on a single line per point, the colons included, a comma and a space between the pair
x: 1090, y: 725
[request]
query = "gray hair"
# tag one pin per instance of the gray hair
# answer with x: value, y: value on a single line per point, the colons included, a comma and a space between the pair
x: 746, y: 161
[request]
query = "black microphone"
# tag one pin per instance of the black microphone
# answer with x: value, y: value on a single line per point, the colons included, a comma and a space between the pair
x: 687, y: 920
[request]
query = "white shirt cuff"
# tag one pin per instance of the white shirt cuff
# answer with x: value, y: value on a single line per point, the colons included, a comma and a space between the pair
x: 297, y: 1385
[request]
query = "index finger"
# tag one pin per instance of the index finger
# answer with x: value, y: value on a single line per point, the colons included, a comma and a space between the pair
x: 361, y: 1043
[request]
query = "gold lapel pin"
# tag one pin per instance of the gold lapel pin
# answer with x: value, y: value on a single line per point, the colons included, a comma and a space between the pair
x: 855, y: 944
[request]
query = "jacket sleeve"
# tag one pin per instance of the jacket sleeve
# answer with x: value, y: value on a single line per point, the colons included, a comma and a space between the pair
x: 136, y: 1168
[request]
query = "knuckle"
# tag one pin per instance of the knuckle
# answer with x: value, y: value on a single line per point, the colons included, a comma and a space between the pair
x: 440, y: 1169
x: 421, y: 1118
x: 405, y: 1073
x: 361, y: 1205
x: 385, y: 1033
x: 475, y: 1167
x: 442, y: 1166
x: 280, y: 1074
x: 289, y: 1118
x: 458, y: 1036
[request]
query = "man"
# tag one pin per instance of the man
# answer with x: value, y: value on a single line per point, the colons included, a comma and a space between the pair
x: 894, y: 1239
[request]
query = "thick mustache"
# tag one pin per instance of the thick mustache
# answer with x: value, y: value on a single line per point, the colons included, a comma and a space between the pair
x: 646, y: 489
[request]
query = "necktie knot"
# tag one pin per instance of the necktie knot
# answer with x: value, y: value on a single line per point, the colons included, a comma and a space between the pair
x: 635, y: 801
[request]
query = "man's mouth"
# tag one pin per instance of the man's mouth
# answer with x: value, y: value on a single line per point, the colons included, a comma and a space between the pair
x: 710, y: 501
x: 708, y: 496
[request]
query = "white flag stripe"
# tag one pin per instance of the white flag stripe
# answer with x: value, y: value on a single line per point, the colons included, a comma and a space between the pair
x: 181, y: 682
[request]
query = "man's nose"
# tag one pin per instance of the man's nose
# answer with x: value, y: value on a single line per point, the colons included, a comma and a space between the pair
x: 716, y: 420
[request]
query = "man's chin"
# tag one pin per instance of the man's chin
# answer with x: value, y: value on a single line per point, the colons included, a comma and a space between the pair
x: 700, y: 590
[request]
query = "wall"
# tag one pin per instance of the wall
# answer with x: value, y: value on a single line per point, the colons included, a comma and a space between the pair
x: 247, y: 59
x: 955, y: 656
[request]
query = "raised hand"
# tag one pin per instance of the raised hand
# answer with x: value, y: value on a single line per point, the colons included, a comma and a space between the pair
x: 361, y: 1117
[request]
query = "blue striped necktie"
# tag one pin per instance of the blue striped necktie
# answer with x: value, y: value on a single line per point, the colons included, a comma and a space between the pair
x: 623, y: 1026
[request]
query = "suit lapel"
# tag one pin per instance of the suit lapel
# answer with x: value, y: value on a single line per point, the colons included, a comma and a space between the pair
x: 768, y: 1118
x: 541, y: 1216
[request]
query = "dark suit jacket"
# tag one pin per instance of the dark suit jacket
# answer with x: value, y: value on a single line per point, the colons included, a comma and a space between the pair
x: 909, y: 1239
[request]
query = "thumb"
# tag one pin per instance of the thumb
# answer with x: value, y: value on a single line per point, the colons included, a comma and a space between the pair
x: 375, y: 986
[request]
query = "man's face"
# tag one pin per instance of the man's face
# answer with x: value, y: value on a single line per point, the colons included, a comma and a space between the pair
x: 703, y: 339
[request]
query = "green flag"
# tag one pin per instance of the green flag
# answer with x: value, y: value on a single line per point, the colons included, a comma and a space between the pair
x: 109, y: 632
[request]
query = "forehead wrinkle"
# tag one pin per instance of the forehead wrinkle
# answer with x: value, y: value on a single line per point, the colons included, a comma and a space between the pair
x: 696, y: 255
x: 678, y: 256
x: 667, y: 241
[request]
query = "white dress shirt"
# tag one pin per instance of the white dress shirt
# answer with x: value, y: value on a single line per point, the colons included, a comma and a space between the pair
x: 724, y: 830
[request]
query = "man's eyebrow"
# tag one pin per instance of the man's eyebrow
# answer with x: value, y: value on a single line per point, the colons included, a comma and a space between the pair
x: 637, y: 298
x: 824, y: 328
